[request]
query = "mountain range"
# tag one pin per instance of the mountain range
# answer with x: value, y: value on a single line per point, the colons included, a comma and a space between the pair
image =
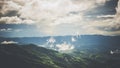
x: 87, y: 51
x: 33, y: 56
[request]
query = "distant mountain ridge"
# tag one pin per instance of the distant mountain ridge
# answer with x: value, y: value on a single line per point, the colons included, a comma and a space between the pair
x: 83, y: 40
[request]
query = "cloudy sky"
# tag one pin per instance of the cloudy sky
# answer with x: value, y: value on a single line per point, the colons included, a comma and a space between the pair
x: 32, y: 18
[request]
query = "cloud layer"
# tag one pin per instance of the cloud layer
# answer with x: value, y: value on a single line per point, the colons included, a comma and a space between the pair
x: 64, y: 47
x: 60, y: 17
x: 9, y: 42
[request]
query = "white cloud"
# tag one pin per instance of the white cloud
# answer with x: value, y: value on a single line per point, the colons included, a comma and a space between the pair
x: 4, y: 30
x: 61, y: 17
x: 106, y: 16
x: 48, y: 10
x: 117, y: 18
x: 9, y: 6
x: 9, y: 42
x: 64, y: 47
x: 101, y: 1
x: 10, y: 30
x: 15, y: 20
x: 51, y: 40
x: 11, y: 20
x: 73, y: 39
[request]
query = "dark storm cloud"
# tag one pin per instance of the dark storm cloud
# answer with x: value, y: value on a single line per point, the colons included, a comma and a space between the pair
x: 109, y: 8
x: 1, y: 5
x: 113, y: 24
x: 6, y: 11
x: 110, y: 28
x: 11, y: 13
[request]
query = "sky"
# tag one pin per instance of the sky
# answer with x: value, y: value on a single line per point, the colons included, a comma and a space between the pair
x: 34, y: 18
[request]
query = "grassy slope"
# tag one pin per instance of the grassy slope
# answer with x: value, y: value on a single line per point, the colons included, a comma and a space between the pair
x: 32, y: 56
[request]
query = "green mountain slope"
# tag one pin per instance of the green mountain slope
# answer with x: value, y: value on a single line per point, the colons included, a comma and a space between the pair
x: 32, y: 56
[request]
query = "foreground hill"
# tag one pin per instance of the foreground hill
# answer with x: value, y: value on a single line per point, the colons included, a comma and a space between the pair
x: 32, y: 56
